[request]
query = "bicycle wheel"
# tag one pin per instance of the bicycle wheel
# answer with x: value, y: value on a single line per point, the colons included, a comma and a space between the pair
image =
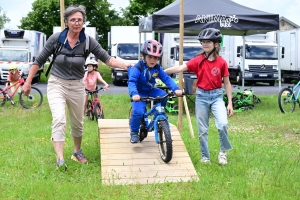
x: 256, y: 100
x: 97, y: 111
x: 165, y: 145
x: 2, y: 98
x: 286, y: 100
x: 89, y: 112
x: 33, y: 100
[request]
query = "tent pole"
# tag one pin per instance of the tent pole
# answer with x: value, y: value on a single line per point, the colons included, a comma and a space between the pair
x: 244, y: 53
x: 181, y: 29
x: 279, y: 57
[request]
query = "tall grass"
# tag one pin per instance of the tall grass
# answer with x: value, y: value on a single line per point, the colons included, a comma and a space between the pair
x: 264, y: 163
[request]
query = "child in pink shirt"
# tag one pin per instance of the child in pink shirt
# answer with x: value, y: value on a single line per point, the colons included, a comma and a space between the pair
x: 91, y: 77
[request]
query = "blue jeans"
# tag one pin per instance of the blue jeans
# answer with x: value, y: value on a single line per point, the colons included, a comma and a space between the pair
x: 207, y: 101
x: 138, y: 108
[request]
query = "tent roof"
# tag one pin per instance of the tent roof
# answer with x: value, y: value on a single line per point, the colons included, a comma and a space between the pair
x: 231, y: 18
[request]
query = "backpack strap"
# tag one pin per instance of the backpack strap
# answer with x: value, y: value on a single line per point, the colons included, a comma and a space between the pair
x: 59, y: 47
x: 56, y: 51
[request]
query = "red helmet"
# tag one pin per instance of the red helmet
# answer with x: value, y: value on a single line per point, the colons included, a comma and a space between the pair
x: 152, y: 48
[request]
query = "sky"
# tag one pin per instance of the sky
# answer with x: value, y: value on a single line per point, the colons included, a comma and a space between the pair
x: 287, y: 8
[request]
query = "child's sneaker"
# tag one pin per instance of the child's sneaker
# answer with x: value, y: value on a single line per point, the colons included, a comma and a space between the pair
x: 222, y: 158
x: 134, y: 137
x: 205, y: 160
x: 60, y: 164
x: 79, y: 157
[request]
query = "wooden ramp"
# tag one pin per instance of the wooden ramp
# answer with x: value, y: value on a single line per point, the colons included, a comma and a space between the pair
x: 126, y: 163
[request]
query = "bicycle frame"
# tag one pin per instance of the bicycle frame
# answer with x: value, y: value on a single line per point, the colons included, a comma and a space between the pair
x: 294, y: 88
x: 158, y: 112
x: 17, y: 84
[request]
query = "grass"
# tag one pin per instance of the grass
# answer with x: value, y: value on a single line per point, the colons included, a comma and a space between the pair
x: 103, y: 69
x: 264, y: 163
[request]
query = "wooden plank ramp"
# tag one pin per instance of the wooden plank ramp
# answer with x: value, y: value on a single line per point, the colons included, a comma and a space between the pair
x: 126, y: 163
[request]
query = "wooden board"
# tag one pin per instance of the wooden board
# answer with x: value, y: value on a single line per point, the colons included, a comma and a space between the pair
x: 126, y: 163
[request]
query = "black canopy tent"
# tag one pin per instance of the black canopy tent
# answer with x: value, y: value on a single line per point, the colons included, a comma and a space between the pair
x: 229, y: 17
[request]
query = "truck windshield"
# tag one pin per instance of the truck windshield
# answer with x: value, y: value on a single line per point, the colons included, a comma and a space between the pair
x: 188, y: 53
x: 128, y: 51
x: 261, y: 52
x: 13, y: 55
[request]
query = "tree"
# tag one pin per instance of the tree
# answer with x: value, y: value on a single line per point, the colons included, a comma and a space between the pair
x: 46, y: 13
x: 3, y: 18
x: 141, y: 8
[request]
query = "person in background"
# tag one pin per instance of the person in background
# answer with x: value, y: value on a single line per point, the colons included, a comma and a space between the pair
x: 91, y: 77
x: 141, y: 83
x: 13, y: 76
x: 210, y: 69
x: 65, y: 84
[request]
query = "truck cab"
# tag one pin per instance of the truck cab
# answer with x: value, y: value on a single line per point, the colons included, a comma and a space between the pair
x: 20, y: 47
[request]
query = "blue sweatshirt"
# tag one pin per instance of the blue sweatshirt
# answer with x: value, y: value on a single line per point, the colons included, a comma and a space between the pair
x: 141, y: 78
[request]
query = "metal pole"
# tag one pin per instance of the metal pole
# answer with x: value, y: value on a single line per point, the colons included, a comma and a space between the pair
x: 244, y: 53
x: 279, y: 58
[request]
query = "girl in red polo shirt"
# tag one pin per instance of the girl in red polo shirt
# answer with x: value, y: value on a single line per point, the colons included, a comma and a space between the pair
x: 211, y: 71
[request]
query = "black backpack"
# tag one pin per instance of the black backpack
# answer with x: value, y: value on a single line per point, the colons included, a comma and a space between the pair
x: 59, y: 47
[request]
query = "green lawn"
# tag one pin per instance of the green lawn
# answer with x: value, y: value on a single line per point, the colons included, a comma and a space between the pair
x: 103, y: 69
x: 264, y: 163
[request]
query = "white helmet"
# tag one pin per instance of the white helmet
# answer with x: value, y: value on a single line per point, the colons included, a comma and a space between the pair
x: 92, y: 62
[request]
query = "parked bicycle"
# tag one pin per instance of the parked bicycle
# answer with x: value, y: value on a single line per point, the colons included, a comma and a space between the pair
x: 159, y: 124
x: 94, y: 109
x: 288, y: 97
x: 243, y: 99
x: 33, y: 100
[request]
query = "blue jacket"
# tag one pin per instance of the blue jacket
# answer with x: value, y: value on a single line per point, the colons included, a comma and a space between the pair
x: 141, y: 78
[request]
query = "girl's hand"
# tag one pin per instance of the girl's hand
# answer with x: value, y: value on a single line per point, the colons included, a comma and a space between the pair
x: 230, y: 110
x: 106, y: 87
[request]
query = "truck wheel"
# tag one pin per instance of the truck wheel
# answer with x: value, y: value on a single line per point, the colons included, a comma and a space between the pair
x: 116, y: 83
x: 239, y: 79
x: 284, y: 79
x: 271, y: 83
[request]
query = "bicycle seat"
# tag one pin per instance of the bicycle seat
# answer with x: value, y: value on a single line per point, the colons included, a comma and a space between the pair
x: 247, y: 92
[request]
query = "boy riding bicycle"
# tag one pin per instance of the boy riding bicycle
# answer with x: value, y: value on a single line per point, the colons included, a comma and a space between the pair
x: 91, y: 77
x: 141, y: 83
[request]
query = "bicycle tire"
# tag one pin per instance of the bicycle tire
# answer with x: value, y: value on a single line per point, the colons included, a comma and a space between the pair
x: 89, y: 112
x: 2, y: 98
x: 32, y: 100
x: 175, y: 110
x: 286, y: 97
x: 165, y: 146
x: 97, y: 111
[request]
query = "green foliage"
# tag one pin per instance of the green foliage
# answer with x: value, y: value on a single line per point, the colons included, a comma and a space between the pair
x: 46, y: 13
x: 3, y: 18
x: 141, y: 8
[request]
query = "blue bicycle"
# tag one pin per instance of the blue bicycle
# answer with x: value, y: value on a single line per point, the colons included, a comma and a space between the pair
x: 288, y: 97
x: 159, y: 123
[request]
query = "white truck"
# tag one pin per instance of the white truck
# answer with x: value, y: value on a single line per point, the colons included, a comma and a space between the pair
x: 290, y: 64
x: 20, y: 47
x: 191, y: 48
x: 261, y: 60
x: 123, y: 43
x: 90, y: 31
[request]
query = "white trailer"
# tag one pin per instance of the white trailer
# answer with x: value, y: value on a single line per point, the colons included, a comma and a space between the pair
x: 191, y: 48
x: 261, y: 60
x: 123, y: 43
x: 20, y: 47
x: 290, y: 64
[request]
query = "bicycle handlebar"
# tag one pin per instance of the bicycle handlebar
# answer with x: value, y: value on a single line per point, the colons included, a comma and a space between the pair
x: 170, y: 94
x: 94, y: 91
